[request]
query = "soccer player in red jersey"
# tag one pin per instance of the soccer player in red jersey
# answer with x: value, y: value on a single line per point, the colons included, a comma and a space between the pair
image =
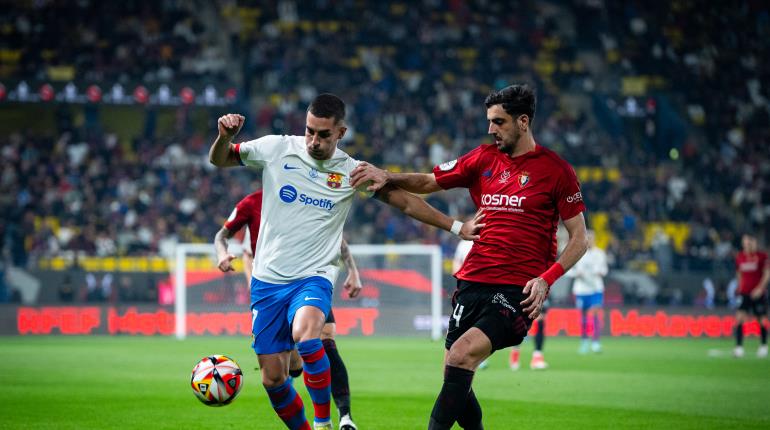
x: 248, y: 213
x: 752, y: 272
x: 523, y: 189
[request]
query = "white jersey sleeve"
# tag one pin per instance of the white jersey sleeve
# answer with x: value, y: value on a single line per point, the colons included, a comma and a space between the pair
x: 255, y: 153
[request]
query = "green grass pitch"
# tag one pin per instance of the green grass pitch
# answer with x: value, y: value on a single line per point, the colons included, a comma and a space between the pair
x: 143, y: 383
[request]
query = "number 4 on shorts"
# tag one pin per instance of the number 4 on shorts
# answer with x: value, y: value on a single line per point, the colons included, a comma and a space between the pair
x: 457, y: 314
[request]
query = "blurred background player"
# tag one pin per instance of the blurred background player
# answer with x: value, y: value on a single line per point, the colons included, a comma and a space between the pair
x: 752, y: 271
x: 588, y: 288
x: 245, y: 218
x: 538, y: 361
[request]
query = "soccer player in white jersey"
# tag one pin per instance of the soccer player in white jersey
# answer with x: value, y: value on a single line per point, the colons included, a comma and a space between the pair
x: 246, y: 217
x: 588, y: 288
x: 307, y: 197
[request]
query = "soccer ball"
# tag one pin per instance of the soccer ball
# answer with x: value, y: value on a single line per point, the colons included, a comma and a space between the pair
x: 216, y: 380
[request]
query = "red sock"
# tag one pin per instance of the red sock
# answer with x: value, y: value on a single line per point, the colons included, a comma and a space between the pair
x: 514, y: 358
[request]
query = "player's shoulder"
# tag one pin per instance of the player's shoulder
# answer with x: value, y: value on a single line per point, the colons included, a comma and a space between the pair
x: 255, y: 197
x: 478, y: 154
x: 270, y: 138
x: 271, y: 145
x: 552, y: 156
x: 484, y: 149
x: 341, y: 160
x: 556, y: 160
x: 295, y: 144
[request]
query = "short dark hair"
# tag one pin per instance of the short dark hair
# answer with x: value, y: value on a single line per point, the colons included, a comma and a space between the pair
x: 517, y: 99
x: 328, y: 106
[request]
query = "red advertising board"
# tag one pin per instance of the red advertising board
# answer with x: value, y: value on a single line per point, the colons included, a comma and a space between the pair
x: 84, y: 320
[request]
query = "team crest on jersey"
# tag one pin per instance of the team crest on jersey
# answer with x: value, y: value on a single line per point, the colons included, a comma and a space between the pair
x: 505, y: 177
x: 334, y: 180
x: 523, y: 179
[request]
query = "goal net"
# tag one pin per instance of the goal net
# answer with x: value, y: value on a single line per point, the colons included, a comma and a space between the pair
x: 402, y: 293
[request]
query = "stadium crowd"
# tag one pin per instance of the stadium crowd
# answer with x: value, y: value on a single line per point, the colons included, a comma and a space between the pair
x: 691, y: 146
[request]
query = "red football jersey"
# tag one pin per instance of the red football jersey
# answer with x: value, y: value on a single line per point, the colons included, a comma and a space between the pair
x: 247, y: 212
x: 523, y: 198
x: 750, y: 268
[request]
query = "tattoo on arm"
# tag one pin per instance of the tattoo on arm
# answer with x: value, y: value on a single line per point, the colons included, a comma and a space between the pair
x: 347, y: 257
x: 220, y: 240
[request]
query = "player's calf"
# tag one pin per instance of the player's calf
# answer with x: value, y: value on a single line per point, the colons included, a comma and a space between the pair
x: 317, y: 378
x: 288, y: 405
x: 340, y: 388
x: 453, y: 396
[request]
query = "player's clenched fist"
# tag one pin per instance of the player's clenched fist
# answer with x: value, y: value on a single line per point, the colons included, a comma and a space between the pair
x: 230, y: 124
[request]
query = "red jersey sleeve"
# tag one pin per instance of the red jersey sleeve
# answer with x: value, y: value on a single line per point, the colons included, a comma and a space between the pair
x: 461, y: 172
x: 569, y: 199
x: 239, y: 217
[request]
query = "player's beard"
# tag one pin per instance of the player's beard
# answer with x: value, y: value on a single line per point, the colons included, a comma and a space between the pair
x: 507, y: 145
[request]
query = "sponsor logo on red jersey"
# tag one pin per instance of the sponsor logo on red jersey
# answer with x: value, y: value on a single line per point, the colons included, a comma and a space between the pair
x: 447, y: 166
x: 577, y: 197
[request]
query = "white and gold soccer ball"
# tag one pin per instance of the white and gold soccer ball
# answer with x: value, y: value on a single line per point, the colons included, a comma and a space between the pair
x: 216, y: 380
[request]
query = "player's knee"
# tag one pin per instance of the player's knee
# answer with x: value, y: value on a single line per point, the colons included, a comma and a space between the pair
x: 304, y: 333
x: 463, y: 355
x: 273, y: 379
x: 328, y: 332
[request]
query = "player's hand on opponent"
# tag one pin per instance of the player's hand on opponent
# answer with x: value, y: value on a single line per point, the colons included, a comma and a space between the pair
x: 365, y: 172
x: 352, y: 284
x: 471, y: 228
x: 230, y: 124
x: 537, y: 290
x: 225, y: 263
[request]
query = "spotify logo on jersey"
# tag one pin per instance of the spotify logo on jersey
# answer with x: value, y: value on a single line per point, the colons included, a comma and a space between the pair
x: 288, y: 193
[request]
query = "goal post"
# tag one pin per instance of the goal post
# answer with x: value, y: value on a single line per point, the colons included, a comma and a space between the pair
x: 401, y: 253
x: 434, y: 252
x: 180, y: 282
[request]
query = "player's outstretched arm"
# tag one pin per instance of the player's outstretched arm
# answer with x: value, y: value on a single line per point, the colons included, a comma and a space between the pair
x: 224, y: 260
x: 536, y: 289
x: 353, y: 281
x: 420, y: 183
x: 418, y: 209
x: 221, y: 153
x: 577, y: 243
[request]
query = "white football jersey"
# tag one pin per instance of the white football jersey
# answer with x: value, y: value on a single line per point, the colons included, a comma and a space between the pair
x: 304, y: 206
x: 589, y: 272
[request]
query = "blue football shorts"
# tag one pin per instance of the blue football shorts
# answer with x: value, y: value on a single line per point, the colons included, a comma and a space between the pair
x: 588, y: 301
x: 273, y: 307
